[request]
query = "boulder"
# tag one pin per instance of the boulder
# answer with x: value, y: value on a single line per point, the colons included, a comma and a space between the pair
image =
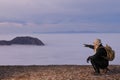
x: 23, y: 41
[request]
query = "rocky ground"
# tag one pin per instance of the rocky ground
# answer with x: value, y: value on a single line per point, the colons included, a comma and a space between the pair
x: 57, y: 72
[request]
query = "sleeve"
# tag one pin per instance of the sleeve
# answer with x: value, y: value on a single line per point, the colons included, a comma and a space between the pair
x: 90, y: 46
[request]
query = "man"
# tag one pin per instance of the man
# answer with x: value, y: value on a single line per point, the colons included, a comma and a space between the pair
x: 97, y: 60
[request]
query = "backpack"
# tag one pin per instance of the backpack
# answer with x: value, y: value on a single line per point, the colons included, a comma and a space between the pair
x: 110, y: 53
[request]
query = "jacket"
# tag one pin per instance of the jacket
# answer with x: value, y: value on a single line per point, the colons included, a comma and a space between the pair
x: 99, y: 54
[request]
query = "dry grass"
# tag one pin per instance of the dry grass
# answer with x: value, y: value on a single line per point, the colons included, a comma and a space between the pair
x: 56, y: 72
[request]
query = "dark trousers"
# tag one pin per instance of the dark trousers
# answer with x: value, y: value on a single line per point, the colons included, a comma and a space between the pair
x: 99, y: 64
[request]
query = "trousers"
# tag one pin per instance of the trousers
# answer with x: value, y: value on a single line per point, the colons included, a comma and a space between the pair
x: 99, y: 64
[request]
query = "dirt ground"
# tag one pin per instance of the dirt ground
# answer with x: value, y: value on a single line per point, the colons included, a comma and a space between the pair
x: 57, y: 72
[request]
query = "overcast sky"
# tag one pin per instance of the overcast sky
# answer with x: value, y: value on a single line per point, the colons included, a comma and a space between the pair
x: 27, y: 16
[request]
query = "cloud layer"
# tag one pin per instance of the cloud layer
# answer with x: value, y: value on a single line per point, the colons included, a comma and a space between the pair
x: 59, y: 15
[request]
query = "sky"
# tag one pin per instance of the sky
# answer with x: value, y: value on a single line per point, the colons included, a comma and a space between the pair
x: 39, y: 16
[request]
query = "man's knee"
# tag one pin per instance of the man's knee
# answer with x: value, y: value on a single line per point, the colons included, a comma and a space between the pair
x: 92, y: 61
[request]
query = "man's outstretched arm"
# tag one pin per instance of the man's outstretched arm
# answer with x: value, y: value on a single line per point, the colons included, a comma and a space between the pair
x: 88, y: 45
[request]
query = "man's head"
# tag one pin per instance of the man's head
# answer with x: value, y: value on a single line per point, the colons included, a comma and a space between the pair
x: 97, y: 42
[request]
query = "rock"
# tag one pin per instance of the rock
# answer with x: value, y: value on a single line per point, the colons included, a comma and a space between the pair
x: 23, y: 41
